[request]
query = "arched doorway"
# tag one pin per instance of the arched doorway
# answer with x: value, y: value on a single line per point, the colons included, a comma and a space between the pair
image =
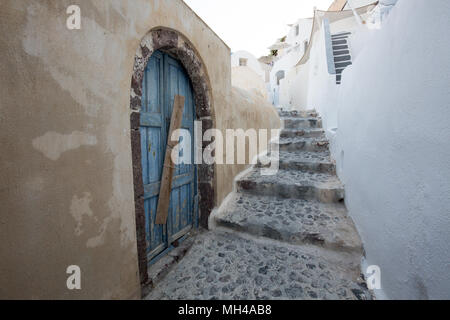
x: 165, y: 77
x: 177, y: 51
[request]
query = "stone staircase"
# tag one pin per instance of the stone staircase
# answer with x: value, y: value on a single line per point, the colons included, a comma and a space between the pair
x: 304, y: 202
x: 286, y: 236
x: 341, y: 53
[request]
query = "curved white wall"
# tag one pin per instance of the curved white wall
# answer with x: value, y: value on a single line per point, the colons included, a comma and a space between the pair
x: 252, y: 62
x: 247, y: 79
x: 393, y: 149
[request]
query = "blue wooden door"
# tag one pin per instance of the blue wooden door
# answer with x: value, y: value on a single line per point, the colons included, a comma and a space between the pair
x: 164, y: 78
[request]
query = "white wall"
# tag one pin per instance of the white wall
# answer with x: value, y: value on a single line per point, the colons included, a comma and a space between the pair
x: 285, y: 99
x: 322, y: 85
x: 393, y: 148
x: 247, y: 79
x: 310, y: 85
x: 289, y: 59
x: 252, y: 62
x: 285, y: 63
x: 305, y: 26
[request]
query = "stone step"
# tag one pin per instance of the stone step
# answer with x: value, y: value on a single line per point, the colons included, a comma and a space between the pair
x: 305, y: 161
x: 339, y: 42
x: 306, y: 133
x: 301, y: 144
x: 343, y: 58
x: 293, y: 221
x: 302, y: 123
x: 298, y: 114
x: 342, y: 65
x: 341, y: 34
x: 339, y: 38
x: 323, y: 187
x: 340, y: 52
x: 344, y: 47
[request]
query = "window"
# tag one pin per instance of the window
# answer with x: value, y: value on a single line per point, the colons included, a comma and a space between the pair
x: 306, y: 45
x: 297, y: 30
x: 243, y: 62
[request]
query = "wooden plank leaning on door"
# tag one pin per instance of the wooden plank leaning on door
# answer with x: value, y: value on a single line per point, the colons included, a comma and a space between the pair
x: 162, y: 211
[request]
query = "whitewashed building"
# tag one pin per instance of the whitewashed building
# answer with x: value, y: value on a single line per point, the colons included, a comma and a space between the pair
x: 247, y: 73
x: 290, y: 49
x: 244, y: 58
x: 379, y: 75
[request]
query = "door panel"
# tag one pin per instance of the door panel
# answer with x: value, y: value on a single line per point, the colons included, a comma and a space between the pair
x: 164, y: 78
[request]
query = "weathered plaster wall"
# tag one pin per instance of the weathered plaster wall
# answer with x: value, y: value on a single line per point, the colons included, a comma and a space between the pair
x: 66, y: 167
x: 244, y: 115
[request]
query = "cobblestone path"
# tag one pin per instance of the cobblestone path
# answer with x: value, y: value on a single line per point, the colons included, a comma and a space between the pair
x: 286, y: 236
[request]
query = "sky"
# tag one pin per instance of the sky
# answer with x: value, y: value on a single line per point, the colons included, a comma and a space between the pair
x: 253, y: 25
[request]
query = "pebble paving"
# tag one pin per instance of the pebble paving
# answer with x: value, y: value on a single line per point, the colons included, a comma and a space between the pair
x: 225, y: 266
x: 285, y: 236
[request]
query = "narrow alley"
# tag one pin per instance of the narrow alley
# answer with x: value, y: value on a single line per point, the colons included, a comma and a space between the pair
x: 224, y: 150
x: 286, y: 236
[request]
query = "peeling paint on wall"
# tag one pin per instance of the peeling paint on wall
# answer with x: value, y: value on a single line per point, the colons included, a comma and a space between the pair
x: 69, y: 76
x: 99, y: 240
x: 79, y: 208
x: 54, y: 144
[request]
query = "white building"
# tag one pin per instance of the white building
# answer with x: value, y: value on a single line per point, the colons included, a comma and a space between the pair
x: 246, y: 59
x: 248, y: 73
x: 290, y: 50
x: 384, y: 100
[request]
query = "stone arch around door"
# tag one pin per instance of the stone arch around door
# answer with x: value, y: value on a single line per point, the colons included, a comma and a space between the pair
x: 178, y: 46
